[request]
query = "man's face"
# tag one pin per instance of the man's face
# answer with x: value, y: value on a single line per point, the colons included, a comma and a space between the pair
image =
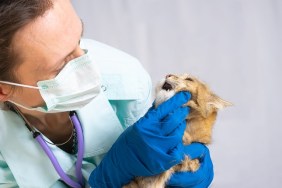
x: 44, y: 47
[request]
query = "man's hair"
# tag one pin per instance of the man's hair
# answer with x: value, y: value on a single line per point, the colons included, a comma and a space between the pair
x: 14, y: 15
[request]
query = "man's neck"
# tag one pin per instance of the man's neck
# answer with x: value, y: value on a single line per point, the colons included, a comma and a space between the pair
x: 45, y: 121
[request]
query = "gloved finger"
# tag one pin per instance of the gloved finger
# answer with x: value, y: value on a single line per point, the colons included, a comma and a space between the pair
x: 176, y: 136
x: 174, y: 120
x: 190, y: 179
x: 161, y: 142
x: 196, y: 150
x: 199, y: 179
x: 171, y: 104
x: 173, y: 143
x: 177, y: 154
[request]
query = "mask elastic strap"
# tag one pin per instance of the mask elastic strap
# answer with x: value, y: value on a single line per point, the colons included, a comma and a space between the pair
x: 21, y: 85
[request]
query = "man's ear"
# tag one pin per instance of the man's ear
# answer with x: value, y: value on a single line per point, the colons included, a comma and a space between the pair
x: 5, y: 92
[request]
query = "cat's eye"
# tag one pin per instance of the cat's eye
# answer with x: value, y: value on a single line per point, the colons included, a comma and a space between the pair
x: 189, y: 79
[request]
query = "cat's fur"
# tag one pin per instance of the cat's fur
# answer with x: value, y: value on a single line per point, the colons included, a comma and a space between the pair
x: 204, y: 105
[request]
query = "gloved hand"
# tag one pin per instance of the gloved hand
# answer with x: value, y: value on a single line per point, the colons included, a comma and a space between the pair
x: 202, y: 178
x: 150, y: 146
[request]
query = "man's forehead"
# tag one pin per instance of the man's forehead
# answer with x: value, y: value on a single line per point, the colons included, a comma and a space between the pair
x: 49, y: 38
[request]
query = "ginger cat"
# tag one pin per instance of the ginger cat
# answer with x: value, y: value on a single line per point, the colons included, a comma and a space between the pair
x: 204, y: 105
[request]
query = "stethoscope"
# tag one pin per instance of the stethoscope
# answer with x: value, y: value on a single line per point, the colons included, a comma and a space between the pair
x: 37, y: 136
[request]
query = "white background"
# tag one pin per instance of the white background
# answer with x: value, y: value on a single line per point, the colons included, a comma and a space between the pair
x: 234, y: 46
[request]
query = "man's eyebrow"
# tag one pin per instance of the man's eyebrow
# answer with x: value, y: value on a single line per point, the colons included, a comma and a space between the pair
x: 82, y: 31
x: 58, y: 65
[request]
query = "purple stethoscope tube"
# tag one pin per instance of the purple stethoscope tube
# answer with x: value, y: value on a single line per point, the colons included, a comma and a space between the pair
x: 55, y: 162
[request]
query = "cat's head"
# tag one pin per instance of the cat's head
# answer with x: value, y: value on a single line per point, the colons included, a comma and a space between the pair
x: 200, y: 92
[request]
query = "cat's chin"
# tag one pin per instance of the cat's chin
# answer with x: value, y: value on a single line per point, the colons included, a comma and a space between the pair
x: 162, y: 96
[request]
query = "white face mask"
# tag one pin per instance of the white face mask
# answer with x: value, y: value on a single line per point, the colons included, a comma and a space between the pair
x: 74, y: 87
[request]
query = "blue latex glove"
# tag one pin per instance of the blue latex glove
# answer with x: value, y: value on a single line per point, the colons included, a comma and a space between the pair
x: 150, y: 146
x: 199, y: 179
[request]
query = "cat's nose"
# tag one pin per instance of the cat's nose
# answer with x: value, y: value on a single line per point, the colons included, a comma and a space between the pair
x: 167, y: 86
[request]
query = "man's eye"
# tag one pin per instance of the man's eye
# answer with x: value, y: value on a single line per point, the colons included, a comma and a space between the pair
x: 189, y: 79
x: 58, y: 71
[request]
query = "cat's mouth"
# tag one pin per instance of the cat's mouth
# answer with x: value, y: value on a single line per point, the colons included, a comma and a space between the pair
x: 167, y: 86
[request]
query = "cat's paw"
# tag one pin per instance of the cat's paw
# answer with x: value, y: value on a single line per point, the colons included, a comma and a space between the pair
x: 188, y: 165
x: 194, y: 165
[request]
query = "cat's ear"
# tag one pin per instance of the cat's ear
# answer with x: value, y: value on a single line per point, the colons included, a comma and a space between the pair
x: 215, y: 102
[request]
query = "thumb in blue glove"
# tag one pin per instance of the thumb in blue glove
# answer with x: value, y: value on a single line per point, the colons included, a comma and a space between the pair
x: 157, y: 135
x: 198, y: 179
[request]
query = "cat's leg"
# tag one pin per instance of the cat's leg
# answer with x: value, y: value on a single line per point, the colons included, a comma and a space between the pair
x: 157, y: 181
x: 132, y: 184
x: 186, y: 139
x: 187, y: 165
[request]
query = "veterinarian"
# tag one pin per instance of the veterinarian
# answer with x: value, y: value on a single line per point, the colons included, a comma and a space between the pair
x: 71, y: 109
